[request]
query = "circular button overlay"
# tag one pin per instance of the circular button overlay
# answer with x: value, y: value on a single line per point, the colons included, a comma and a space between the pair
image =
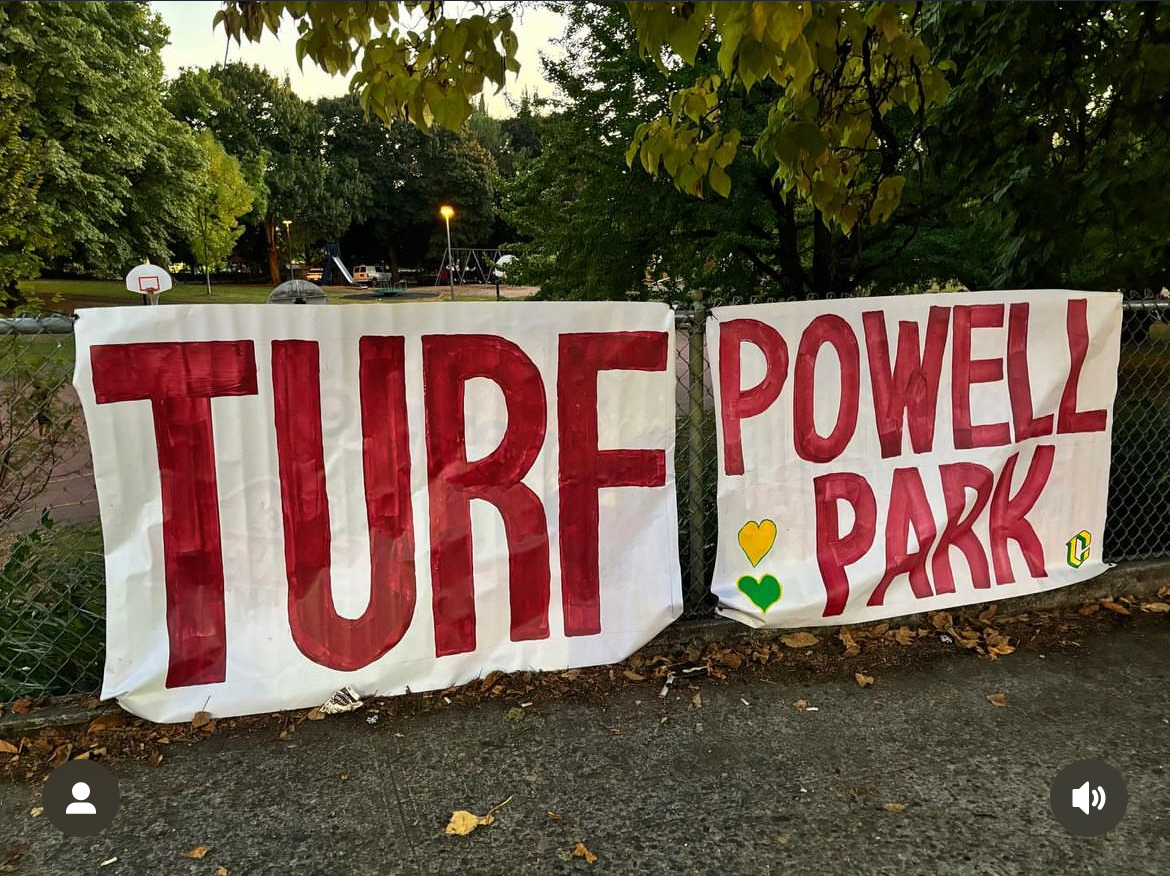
x: 1088, y: 797
x: 80, y: 797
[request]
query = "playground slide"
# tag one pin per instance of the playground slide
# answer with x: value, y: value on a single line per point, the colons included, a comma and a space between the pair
x: 344, y: 271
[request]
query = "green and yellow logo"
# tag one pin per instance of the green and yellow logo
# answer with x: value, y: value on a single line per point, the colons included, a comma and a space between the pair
x: 1078, y: 548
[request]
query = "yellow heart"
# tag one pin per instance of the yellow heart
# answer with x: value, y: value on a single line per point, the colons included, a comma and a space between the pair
x: 757, y: 539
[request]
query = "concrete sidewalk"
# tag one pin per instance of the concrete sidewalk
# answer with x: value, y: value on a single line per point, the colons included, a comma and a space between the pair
x: 736, y: 781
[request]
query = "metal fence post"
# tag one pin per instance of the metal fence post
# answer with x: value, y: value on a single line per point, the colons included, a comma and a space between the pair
x: 696, y: 486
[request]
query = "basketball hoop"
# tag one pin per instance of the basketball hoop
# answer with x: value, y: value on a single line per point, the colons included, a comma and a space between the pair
x: 148, y: 280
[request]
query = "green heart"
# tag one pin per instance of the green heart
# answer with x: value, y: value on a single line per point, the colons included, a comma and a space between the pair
x: 764, y: 592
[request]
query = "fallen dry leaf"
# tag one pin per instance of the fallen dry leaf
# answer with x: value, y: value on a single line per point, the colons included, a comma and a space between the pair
x: 894, y: 807
x: 799, y: 640
x: 315, y: 714
x: 697, y: 701
x: 37, y: 811
x: 221, y: 870
x: 1002, y: 649
x: 463, y: 822
x: 987, y: 614
x: 942, y: 620
x: 997, y: 699
x: 877, y: 631
x: 197, y: 853
x: 1089, y: 608
x: 862, y: 679
x: 8, y: 748
x: 729, y: 658
x: 21, y: 706
x: 1160, y: 607
x: 801, y: 704
x: 60, y: 755
x: 105, y: 722
x: 633, y: 676
x: 903, y: 635
x: 852, y: 649
x: 555, y: 816
x: 580, y: 851
x: 1115, y: 607
x: 201, y: 719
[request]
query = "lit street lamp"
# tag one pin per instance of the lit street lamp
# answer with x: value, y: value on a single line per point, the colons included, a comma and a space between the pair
x: 447, y: 211
x: 288, y: 243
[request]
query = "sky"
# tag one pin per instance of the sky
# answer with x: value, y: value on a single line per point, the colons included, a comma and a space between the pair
x: 195, y: 44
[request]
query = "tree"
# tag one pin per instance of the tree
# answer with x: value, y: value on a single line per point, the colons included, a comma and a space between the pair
x: 840, y: 69
x: 599, y: 229
x: 262, y: 123
x: 217, y: 207
x: 1063, y: 146
x: 394, y: 178
x: 20, y: 178
x: 116, y: 168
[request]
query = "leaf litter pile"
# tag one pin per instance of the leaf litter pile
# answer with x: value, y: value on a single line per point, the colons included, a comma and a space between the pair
x: 667, y: 672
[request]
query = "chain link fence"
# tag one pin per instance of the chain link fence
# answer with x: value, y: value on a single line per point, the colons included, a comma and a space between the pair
x: 51, y: 568
x: 51, y: 571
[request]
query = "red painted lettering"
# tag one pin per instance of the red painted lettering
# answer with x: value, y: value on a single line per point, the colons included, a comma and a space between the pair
x: 584, y: 469
x: 908, y: 507
x: 449, y: 361
x: 966, y: 371
x: 910, y: 390
x: 1008, y: 515
x: 322, y: 634
x: 1070, y: 419
x: 1019, y: 386
x: 738, y: 404
x: 179, y: 380
x: 957, y: 479
x: 829, y: 329
x: 836, y: 550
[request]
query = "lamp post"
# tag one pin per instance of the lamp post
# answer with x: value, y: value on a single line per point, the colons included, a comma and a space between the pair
x: 447, y: 211
x: 288, y: 244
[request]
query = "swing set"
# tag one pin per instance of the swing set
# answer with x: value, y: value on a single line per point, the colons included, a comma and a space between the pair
x: 470, y: 265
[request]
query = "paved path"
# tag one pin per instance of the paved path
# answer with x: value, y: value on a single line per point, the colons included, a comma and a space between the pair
x: 722, y: 788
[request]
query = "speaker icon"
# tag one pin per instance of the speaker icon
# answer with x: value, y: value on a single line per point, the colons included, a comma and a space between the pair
x: 1083, y: 798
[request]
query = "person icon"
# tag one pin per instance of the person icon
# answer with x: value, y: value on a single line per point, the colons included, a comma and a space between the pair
x: 79, y: 806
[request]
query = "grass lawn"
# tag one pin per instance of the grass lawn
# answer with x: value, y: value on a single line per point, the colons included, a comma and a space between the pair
x: 68, y: 295
x: 33, y: 352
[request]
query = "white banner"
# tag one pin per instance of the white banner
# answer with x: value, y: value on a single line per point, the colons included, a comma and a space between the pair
x: 886, y: 456
x: 401, y: 496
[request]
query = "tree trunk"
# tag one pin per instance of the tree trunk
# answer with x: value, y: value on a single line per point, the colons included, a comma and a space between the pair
x: 207, y: 276
x: 822, y: 264
x: 273, y: 255
x: 788, y: 243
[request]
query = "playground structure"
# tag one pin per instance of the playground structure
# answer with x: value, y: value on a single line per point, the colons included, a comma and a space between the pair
x: 475, y: 265
x: 471, y: 265
x: 331, y: 258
